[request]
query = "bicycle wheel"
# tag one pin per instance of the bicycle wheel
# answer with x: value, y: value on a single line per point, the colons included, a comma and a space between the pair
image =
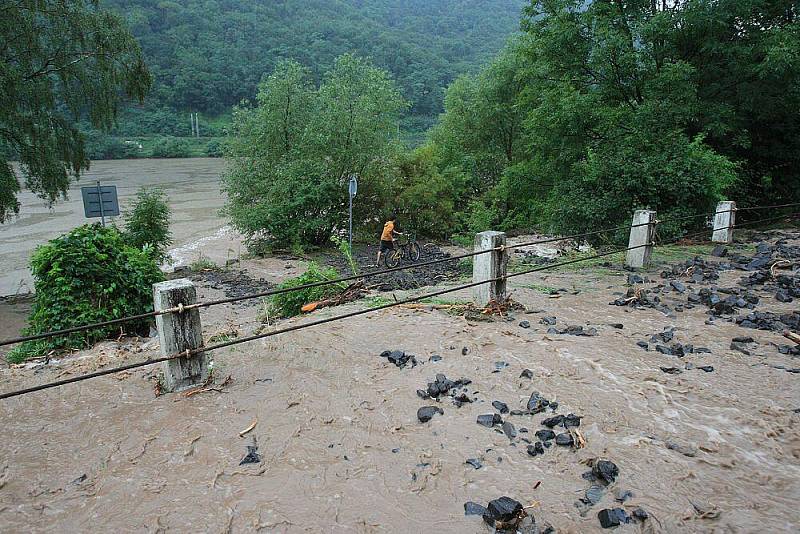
x: 392, y: 258
x: 414, y: 251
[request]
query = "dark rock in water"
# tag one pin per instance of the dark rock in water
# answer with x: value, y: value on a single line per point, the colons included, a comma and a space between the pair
x: 553, y: 406
x: 693, y: 298
x: 720, y: 251
x: 399, y: 358
x: 537, y: 403
x: 783, y: 296
x: 498, y: 366
x: 671, y: 370
x: 526, y: 373
x: 474, y: 462
x: 464, y: 351
x: 618, y: 326
x: 489, y: 420
x: 685, y: 448
x: 664, y: 350
x: 706, y: 368
x: 594, y: 494
x: 252, y: 456
x: 564, y: 439
x: 743, y: 339
x: 426, y: 413
x: 605, y: 470
x: 622, y: 495
x: 549, y: 321
x: 504, y: 509
x: 643, y: 344
x: 461, y: 399
x: 545, y: 435
x: 740, y: 347
x: 612, y: 517
x: 640, y: 514
x: 443, y: 385
x: 571, y: 420
x: 536, y: 449
x: 435, y: 358
x: 635, y: 279
x: 501, y: 407
x: 678, y: 286
x: 702, y: 350
x: 665, y: 336
x: 550, y: 422
x: 524, y: 324
x: 473, y: 508
x: 518, y: 412
x: 509, y: 430
x: 422, y: 394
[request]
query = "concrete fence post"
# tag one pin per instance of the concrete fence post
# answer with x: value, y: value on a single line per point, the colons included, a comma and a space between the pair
x: 489, y: 266
x: 642, y: 234
x: 724, y: 220
x: 178, y: 332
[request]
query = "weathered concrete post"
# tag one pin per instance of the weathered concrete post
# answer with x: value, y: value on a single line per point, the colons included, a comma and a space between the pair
x: 642, y: 232
x: 489, y: 266
x: 178, y: 332
x: 724, y: 220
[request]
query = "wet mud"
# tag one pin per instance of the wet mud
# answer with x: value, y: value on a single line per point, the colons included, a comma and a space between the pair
x: 338, y: 444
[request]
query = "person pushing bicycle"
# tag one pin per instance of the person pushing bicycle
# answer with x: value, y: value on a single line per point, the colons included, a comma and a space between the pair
x: 387, y: 236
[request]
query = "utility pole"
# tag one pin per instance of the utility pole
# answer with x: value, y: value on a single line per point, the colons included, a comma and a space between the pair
x: 197, y: 124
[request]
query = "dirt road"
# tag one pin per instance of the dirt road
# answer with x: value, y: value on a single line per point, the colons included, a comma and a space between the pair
x: 341, y: 449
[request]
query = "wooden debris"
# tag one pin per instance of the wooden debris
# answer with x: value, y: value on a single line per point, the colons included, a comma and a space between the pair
x: 248, y: 429
x: 354, y: 291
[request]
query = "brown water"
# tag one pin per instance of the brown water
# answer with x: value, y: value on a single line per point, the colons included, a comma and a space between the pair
x: 330, y: 411
x: 191, y: 184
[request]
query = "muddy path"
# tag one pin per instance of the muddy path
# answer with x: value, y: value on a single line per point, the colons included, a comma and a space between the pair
x: 341, y: 449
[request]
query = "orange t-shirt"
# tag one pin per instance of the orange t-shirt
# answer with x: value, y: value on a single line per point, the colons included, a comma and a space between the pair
x: 388, y: 228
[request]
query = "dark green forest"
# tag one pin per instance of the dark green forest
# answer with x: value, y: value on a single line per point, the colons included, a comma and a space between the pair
x: 206, y: 56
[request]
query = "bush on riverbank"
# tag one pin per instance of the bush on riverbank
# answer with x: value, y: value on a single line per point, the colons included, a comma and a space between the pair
x: 290, y: 304
x: 85, y: 276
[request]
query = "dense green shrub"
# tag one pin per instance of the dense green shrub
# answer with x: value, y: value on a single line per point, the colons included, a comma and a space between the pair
x: 214, y: 149
x: 147, y: 223
x: 289, y: 304
x: 170, y: 147
x: 85, y: 276
x: 100, y: 145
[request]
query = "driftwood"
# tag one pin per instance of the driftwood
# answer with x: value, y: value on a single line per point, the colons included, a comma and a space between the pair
x: 792, y: 336
x: 352, y: 292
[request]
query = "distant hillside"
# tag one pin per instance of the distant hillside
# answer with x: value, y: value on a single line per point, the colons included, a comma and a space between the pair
x: 207, y: 55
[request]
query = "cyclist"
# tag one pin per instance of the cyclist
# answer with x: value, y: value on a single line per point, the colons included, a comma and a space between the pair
x: 387, y: 236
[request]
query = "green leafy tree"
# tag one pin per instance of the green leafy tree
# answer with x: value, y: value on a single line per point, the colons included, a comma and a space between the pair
x: 147, y: 223
x: 59, y: 61
x: 87, y: 275
x: 292, y: 156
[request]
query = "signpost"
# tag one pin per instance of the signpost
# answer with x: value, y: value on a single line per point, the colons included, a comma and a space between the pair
x: 353, y: 190
x: 100, y: 201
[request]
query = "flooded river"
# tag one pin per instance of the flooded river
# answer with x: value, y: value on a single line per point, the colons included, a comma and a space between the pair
x: 194, y: 196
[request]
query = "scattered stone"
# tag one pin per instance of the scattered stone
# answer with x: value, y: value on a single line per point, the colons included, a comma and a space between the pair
x: 474, y: 462
x: 550, y: 422
x: 473, y: 508
x: 612, y: 517
x: 564, y: 439
x: 464, y: 351
x: 687, y: 449
x: 399, y: 358
x: 501, y: 407
x: 526, y: 373
x: 536, y: 449
x: 740, y: 347
x: 783, y: 296
x: 537, y: 403
x: 574, y: 330
x: 677, y: 286
x: 489, y: 420
x: 443, y: 386
x: 549, y: 321
x: 498, y: 366
x: 719, y: 251
x: 571, y: 420
x: 252, y: 456
x: 706, y: 368
x: 635, y: 279
x: 509, y: 430
x: 426, y: 413
x: 622, y: 495
x: 524, y: 324
x: 640, y: 514
x: 605, y: 470
x: 643, y: 344
x: 665, y: 336
x: 545, y: 435
x: 671, y: 370
x: 593, y: 495
x: 435, y: 358
x: 743, y: 339
x: 504, y: 510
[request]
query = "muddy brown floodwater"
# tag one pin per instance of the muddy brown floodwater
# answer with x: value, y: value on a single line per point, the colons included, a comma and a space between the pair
x: 194, y: 197
x: 341, y: 449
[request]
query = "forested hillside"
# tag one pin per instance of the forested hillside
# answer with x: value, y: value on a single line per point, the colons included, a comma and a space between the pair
x: 206, y: 56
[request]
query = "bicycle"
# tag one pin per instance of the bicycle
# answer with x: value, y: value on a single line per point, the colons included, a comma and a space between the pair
x: 407, y: 249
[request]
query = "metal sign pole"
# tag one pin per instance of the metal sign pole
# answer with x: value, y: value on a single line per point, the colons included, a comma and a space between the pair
x: 351, y: 193
x: 100, y: 198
